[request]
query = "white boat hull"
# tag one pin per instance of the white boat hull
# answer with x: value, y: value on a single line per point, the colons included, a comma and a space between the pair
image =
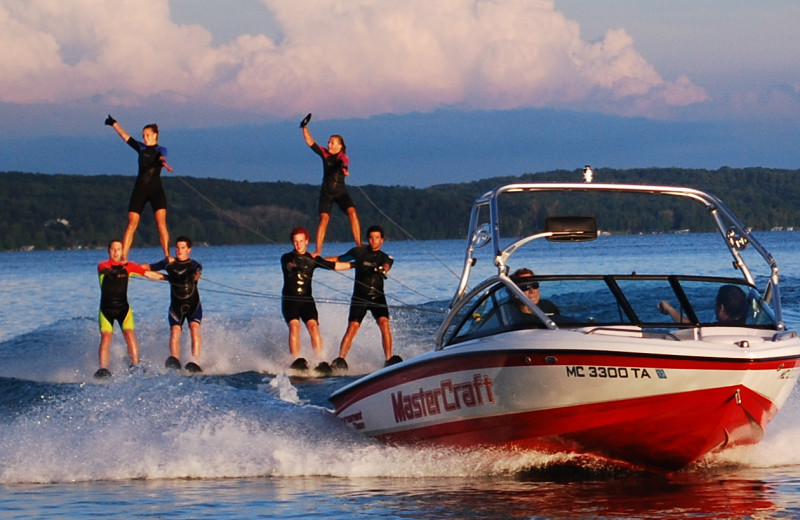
x: 601, y: 395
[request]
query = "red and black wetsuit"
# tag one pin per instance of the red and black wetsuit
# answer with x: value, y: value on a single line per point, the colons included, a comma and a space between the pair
x: 114, y: 289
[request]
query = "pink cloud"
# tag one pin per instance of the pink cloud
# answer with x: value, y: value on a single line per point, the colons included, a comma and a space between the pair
x: 344, y: 59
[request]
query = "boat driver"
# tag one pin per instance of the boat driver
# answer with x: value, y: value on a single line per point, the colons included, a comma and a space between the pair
x: 523, y: 277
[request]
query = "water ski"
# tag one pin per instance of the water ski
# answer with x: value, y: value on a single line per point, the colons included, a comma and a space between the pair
x: 299, y: 364
x: 102, y: 373
x: 135, y: 369
x: 173, y: 362
x: 193, y: 368
x: 301, y: 369
x: 323, y: 369
x: 393, y: 361
x: 339, y: 364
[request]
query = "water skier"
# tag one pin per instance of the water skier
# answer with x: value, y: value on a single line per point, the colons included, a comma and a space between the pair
x: 183, y: 274
x: 297, y: 301
x: 335, y: 168
x: 113, y: 275
x: 148, y: 186
x: 371, y: 265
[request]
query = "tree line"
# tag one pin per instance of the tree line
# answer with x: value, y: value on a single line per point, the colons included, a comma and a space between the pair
x: 44, y: 211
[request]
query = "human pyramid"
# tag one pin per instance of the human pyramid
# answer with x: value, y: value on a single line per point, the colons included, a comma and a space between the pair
x: 183, y: 273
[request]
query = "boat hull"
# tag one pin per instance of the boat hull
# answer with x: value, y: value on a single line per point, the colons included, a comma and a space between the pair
x: 642, y: 409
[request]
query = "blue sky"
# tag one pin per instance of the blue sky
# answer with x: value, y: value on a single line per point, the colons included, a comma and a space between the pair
x: 423, y: 92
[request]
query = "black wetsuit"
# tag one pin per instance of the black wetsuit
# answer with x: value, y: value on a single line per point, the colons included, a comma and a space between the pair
x: 333, y: 173
x: 368, y: 286
x: 297, y: 302
x: 184, y: 295
x: 148, y: 187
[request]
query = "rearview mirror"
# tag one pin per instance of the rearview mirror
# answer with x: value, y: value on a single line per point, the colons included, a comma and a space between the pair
x: 571, y: 229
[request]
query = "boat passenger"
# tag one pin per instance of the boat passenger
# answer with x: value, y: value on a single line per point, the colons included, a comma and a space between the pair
x: 335, y: 167
x: 523, y: 277
x: 730, y: 307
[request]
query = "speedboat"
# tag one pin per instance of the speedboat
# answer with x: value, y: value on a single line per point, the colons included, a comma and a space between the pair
x: 645, y: 368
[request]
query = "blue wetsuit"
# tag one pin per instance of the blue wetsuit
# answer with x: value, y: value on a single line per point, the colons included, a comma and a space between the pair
x: 148, y: 187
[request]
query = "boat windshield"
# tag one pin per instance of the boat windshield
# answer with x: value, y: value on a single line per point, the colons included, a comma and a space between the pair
x: 573, y: 302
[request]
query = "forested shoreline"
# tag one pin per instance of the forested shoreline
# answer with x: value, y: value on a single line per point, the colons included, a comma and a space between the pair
x: 53, y: 211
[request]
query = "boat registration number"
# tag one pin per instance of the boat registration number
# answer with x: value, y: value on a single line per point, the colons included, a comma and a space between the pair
x: 615, y: 372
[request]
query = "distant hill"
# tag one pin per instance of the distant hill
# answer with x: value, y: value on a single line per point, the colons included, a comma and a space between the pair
x: 43, y: 211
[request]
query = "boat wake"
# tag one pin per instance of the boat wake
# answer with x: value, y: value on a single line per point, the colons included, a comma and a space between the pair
x: 166, y: 426
x: 174, y: 427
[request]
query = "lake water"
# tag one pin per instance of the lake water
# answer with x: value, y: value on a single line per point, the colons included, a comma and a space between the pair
x: 246, y: 441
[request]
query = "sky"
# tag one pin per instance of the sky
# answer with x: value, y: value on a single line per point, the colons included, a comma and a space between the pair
x: 423, y: 92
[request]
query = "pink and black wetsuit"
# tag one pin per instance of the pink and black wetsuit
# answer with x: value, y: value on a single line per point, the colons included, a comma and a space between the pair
x: 333, y: 173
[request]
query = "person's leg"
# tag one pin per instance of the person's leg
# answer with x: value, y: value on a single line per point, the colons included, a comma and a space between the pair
x: 324, y: 218
x: 127, y: 240
x: 386, y: 336
x: 294, y: 338
x: 355, y: 225
x: 163, y: 232
x: 175, y: 341
x: 128, y: 325
x: 103, y: 351
x: 316, y: 337
x: 133, y: 345
x: 347, y: 339
x: 197, y: 339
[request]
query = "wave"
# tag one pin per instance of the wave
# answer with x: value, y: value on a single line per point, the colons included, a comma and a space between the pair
x: 167, y: 426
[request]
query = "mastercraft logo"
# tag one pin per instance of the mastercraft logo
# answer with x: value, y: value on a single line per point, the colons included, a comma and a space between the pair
x: 446, y: 397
